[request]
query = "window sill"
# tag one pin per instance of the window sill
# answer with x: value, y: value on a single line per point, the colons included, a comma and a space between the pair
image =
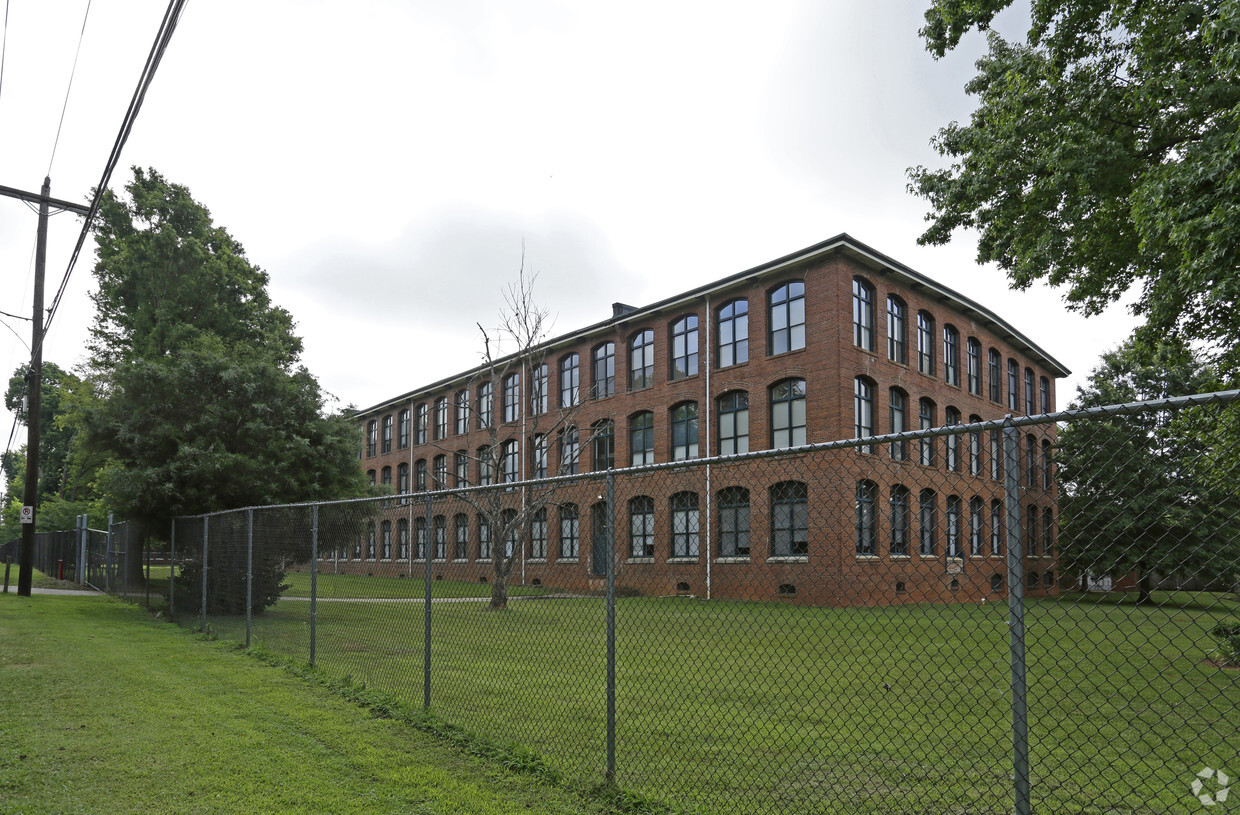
x: 692, y: 559
x: 537, y: 560
x: 568, y: 560
x: 640, y: 560
x: 788, y: 559
x: 741, y: 559
x: 868, y: 557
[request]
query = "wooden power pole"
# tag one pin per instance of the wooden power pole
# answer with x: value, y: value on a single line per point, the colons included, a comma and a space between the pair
x: 34, y: 379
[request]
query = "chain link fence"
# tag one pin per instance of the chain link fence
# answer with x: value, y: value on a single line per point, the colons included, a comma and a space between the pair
x: 1032, y: 615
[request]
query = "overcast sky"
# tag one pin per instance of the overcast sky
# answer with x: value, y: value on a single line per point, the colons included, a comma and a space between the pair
x: 384, y: 161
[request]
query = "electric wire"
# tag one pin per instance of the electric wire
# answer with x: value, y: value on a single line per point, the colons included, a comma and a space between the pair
x: 4, y: 44
x: 72, y: 74
x: 162, y: 38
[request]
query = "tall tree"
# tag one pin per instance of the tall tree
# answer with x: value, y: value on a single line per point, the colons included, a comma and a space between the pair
x: 1102, y: 156
x: 1154, y: 491
x: 55, y: 447
x: 201, y: 405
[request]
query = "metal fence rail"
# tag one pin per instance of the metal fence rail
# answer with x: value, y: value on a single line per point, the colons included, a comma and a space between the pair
x: 1028, y: 615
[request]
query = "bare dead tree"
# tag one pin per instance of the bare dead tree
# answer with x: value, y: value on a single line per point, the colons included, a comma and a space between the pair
x: 517, y: 346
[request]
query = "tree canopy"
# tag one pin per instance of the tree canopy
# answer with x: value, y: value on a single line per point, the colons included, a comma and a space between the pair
x: 199, y: 403
x: 1152, y: 492
x: 1103, y: 155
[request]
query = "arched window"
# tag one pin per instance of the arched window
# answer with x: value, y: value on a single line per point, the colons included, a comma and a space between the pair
x: 1029, y: 397
x: 511, y: 531
x: 486, y: 405
x: 570, y: 532
x: 370, y: 540
x: 977, y: 525
x: 733, y: 423
x: 570, y: 451
x: 403, y: 429
x: 512, y: 397
x: 641, y: 360
x: 863, y: 411
x: 686, y: 525
x: 419, y: 475
x: 641, y: 439
x: 385, y: 540
x: 440, y: 471
x: 1031, y: 531
x: 372, y: 437
x: 975, y: 447
x: 387, y: 433
x: 788, y: 413
x: 996, y: 380
x: 538, y: 456
x: 734, y: 333
x: 996, y: 527
x: 460, y: 526
x: 996, y: 454
x: 486, y: 465
x: 462, y: 412
x: 420, y: 422
x: 734, y: 522
x: 1044, y: 388
x: 509, y: 462
x: 952, y: 443
x: 685, y: 431
x: 951, y: 355
x: 402, y: 478
x: 863, y: 314
x: 1031, y: 461
x: 899, y: 520
x: 460, y: 463
x: 867, y: 523
x: 974, y: 366
x: 484, y: 538
x: 897, y: 330
x: 441, y: 418
x: 1048, y: 532
x: 927, y: 510
x: 603, y: 370
x: 570, y: 380
x: 641, y: 527
x: 1046, y: 464
x: 786, y: 312
x: 925, y: 343
x: 419, y: 538
x: 441, y: 537
x: 925, y: 418
x: 898, y: 422
x: 402, y: 539
x: 603, y: 434
x: 539, y: 379
x: 538, y: 534
x: 789, y: 519
x: 387, y: 477
x: 953, y: 526
x: 685, y: 347
x: 1013, y: 377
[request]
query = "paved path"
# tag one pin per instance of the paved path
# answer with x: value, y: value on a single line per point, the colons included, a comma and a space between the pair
x: 64, y: 592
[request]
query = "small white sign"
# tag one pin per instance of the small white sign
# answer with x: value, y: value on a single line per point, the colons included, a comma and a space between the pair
x: 27, y: 515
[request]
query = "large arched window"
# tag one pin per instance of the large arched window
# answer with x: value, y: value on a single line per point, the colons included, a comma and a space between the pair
x: 863, y: 314
x: 925, y: 420
x: 733, y: 423
x: 641, y: 360
x: 641, y: 527
x: 995, y: 362
x: 734, y: 522
x: 977, y: 525
x: 686, y: 525
x: 867, y: 520
x: 441, y: 418
x: 460, y: 526
x: 372, y: 437
x: 863, y: 411
x: 539, y: 378
x: 603, y: 436
x: 387, y: 433
x: 512, y: 397
x: 789, y: 519
x: 897, y: 330
x: 403, y: 429
x: 898, y: 421
x: 570, y: 380
x: 685, y: 347
x: 788, y: 413
x: 420, y: 422
x: 538, y: 534
x: 953, y: 527
x: 641, y: 439
x: 486, y: 405
x: 899, y: 520
x: 685, y: 431
x: 786, y: 312
x: 925, y: 343
x: 462, y: 412
x: 952, y: 443
x: 734, y: 333
x: 951, y: 355
x: 570, y: 532
x: 927, y: 523
x: 603, y: 370
x: 974, y: 366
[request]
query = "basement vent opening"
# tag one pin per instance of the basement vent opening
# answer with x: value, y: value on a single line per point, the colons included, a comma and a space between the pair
x: 787, y: 589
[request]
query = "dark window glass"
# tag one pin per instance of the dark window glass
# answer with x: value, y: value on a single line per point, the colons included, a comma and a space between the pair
x: 867, y: 524
x: 420, y: 424
x: 951, y: 355
x: 786, y: 309
x: 788, y: 413
x: 734, y: 522
x: 925, y: 418
x: 570, y: 380
x: 685, y: 431
x: 996, y: 382
x: 974, y: 364
x: 512, y: 397
x: 863, y: 411
x: 897, y: 330
x: 641, y: 360
x: 604, y: 444
x: 570, y: 531
x: 734, y: 333
x: 733, y: 423
x: 387, y: 434
x: 899, y: 520
x: 685, y: 347
x: 641, y: 526
x: 863, y: 314
x: 686, y: 524
x: 789, y: 519
x: 925, y: 343
x: 927, y: 523
x: 641, y: 439
x: 604, y: 371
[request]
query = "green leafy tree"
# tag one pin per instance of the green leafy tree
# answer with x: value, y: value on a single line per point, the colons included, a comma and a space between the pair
x: 1153, y: 492
x: 1102, y: 156
x: 56, y: 436
x: 200, y: 404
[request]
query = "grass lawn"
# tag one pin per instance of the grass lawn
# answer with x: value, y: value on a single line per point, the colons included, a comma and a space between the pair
x: 104, y: 709
x: 751, y: 707
x: 360, y: 586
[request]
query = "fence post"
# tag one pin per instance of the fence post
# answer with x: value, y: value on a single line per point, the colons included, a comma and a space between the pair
x: 314, y: 579
x: 172, y: 571
x: 610, y: 534
x: 206, y: 524
x: 146, y: 547
x: 428, y: 543
x: 249, y: 574
x: 109, y: 555
x: 1016, y: 619
x: 82, y: 575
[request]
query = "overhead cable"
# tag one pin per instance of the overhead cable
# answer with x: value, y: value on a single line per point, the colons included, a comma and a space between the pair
x: 72, y: 73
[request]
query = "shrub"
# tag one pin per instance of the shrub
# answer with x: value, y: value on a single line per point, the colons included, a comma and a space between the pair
x: 1227, y: 633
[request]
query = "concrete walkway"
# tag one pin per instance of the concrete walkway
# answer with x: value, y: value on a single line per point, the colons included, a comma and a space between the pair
x: 63, y: 592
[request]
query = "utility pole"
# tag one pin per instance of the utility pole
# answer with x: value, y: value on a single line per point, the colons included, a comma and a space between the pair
x: 34, y: 379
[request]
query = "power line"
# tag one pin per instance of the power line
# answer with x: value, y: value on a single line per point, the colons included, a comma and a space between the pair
x: 162, y: 38
x: 4, y: 44
x: 72, y: 73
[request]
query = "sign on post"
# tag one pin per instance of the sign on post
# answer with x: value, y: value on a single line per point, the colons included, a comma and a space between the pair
x: 27, y: 515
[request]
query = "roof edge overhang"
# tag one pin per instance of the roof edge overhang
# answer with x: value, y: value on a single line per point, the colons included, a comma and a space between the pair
x: 842, y: 244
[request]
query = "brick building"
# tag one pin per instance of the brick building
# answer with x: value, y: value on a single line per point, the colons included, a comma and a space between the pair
x: 835, y: 341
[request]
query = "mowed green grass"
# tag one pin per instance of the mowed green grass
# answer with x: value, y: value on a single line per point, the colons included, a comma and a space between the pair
x: 104, y: 709
x: 361, y: 586
x: 751, y: 707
